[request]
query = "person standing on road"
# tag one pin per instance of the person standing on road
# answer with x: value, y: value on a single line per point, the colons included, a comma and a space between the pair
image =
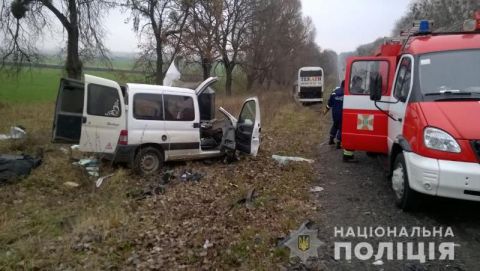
x: 335, y: 102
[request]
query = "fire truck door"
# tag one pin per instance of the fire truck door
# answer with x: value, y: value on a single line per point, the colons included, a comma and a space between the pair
x: 364, y: 126
x: 401, y: 92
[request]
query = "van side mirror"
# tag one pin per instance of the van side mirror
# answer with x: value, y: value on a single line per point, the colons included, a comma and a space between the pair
x: 376, y: 87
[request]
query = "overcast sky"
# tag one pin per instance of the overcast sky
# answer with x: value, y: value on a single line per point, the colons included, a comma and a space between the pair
x: 341, y: 25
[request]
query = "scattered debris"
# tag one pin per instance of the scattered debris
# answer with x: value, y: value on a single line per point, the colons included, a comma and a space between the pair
x: 64, y: 150
x: 71, y: 184
x: 316, y: 189
x: 16, y: 132
x: 247, y: 200
x: 167, y: 176
x: 90, y: 165
x: 75, y: 147
x: 151, y: 190
x: 283, y: 160
x: 207, y: 244
x: 101, y: 179
x: 189, y: 175
x: 12, y: 166
x: 378, y: 262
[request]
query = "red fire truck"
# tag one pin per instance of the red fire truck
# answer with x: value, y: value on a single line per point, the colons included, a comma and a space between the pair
x: 418, y: 102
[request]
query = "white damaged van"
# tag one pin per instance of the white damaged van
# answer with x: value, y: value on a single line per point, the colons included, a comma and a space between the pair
x: 147, y: 125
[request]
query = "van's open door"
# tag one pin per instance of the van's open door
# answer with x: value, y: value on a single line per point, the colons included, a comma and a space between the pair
x: 248, y: 128
x: 104, y: 115
x: 205, y: 84
x: 67, y: 121
x: 364, y: 126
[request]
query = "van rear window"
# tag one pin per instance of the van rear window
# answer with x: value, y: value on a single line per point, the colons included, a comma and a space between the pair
x: 148, y: 106
x: 103, y: 101
x: 72, y: 100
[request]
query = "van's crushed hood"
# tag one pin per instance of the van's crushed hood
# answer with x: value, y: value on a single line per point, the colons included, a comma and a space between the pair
x: 459, y: 118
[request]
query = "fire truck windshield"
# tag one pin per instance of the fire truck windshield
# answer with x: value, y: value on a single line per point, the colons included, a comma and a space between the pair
x: 450, y: 72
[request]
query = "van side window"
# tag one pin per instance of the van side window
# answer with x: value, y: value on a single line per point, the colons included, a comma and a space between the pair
x: 178, y: 108
x: 148, y: 106
x: 403, y: 82
x: 103, y: 101
x: 368, y: 74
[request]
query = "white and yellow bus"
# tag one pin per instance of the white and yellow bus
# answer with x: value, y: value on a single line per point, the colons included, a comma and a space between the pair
x: 309, y: 85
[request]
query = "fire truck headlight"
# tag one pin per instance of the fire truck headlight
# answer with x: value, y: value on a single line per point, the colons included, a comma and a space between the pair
x: 439, y: 140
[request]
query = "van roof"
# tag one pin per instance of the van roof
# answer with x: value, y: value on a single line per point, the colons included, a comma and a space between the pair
x: 442, y: 42
x: 153, y: 88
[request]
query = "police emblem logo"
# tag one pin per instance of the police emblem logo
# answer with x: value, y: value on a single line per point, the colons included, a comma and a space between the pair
x: 303, y: 242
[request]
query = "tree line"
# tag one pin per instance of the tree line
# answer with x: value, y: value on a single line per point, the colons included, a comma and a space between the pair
x: 445, y: 15
x: 268, y: 40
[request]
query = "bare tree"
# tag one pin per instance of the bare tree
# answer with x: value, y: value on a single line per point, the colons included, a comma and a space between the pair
x: 199, y: 42
x: 23, y: 22
x: 231, y: 37
x: 279, y: 42
x: 160, y: 25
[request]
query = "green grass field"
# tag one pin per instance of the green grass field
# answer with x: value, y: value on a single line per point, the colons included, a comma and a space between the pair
x: 41, y: 84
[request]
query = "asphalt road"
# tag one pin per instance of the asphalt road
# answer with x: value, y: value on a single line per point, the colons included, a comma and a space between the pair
x: 359, y: 195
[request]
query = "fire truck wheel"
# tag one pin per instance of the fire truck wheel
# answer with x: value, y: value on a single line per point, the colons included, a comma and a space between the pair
x: 405, y: 197
x: 148, y: 161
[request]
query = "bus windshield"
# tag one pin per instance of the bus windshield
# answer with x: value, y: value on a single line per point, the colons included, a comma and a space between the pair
x: 450, y: 72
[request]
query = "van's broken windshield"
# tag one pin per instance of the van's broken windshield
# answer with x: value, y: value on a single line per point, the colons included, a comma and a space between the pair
x: 452, y: 72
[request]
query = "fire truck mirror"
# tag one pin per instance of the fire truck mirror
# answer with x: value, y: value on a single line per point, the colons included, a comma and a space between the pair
x: 376, y: 88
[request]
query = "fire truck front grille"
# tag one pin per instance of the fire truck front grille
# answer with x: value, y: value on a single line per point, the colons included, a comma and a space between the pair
x: 476, y: 148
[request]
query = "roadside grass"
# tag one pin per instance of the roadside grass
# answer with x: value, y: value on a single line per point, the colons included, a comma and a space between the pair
x: 47, y: 225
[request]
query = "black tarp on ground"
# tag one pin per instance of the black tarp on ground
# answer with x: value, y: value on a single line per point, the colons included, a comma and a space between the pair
x: 14, y: 166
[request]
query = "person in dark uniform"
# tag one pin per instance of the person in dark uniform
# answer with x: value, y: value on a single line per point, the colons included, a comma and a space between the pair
x: 335, y: 103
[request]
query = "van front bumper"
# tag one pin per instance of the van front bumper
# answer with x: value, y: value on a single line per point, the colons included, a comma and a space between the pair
x: 450, y: 179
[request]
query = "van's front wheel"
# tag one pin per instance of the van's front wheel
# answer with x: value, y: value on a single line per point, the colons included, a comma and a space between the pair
x: 148, y: 161
x: 405, y: 197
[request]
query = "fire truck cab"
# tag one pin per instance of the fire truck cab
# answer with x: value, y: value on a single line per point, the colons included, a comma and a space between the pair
x: 418, y: 102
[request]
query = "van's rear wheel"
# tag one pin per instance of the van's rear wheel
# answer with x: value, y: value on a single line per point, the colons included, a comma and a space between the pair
x: 405, y: 198
x: 148, y: 161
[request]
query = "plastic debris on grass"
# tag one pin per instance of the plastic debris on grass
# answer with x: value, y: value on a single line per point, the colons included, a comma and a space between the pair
x: 92, y: 166
x: 283, y: 160
x: 100, y: 180
x: 71, y: 184
x: 189, y: 175
x: 316, y: 189
x: 16, y: 132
